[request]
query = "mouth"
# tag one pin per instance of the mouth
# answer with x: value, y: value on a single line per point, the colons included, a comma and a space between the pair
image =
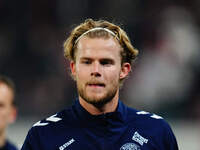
x: 96, y: 85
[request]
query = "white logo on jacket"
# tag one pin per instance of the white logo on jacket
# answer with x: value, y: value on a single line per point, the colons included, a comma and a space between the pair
x: 138, y: 138
x: 53, y: 118
x: 130, y: 146
x: 66, y: 144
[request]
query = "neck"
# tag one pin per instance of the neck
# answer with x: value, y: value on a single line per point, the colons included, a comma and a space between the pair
x: 2, y: 138
x: 108, y: 107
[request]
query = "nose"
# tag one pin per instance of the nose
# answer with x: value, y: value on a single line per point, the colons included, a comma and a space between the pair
x: 95, y: 71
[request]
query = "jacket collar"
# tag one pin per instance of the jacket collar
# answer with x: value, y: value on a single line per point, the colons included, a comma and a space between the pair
x: 118, y: 116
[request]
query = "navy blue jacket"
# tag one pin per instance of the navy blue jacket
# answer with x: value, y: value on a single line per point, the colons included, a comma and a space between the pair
x: 8, y: 146
x: 125, y: 129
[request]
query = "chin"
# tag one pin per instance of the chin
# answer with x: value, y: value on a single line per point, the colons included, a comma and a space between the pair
x: 97, y: 101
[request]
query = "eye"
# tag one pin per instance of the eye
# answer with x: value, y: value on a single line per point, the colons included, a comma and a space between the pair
x: 1, y: 105
x: 86, y: 61
x: 106, y: 62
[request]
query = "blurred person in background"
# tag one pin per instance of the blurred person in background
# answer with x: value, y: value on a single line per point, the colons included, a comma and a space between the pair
x: 168, y: 70
x: 100, y: 55
x: 8, y: 111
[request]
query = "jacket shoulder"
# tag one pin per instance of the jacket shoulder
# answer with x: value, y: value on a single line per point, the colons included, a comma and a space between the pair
x: 147, y: 120
x: 55, y: 120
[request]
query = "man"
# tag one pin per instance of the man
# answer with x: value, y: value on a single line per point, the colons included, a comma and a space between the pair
x: 100, y: 55
x: 7, y: 110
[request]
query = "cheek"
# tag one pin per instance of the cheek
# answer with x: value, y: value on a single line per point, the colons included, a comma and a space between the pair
x: 4, y: 114
x: 79, y: 72
x: 81, y: 78
x: 82, y: 74
x: 112, y: 75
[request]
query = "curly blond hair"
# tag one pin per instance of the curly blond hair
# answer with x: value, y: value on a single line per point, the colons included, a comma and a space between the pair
x: 128, y: 53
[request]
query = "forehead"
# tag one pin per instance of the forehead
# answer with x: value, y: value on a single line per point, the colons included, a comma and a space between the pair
x: 98, y: 47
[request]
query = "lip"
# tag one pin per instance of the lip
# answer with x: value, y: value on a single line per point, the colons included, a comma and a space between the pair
x: 100, y: 85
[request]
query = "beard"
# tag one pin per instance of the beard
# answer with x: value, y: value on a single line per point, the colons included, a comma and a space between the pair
x: 98, y: 101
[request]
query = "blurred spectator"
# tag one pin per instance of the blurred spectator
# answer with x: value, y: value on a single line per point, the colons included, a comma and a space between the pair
x: 164, y: 78
x: 7, y: 110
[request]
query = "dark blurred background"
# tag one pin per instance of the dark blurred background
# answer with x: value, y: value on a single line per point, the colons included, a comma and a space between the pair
x: 165, y: 79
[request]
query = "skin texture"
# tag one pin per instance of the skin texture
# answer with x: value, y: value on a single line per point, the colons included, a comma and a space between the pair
x: 7, y: 110
x: 97, y: 71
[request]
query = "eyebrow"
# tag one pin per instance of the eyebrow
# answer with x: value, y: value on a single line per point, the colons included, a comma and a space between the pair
x: 106, y: 58
x: 101, y: 60
x: 85, y: 58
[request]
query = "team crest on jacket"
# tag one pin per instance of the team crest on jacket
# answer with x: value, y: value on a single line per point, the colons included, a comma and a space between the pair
x: 130, y: 146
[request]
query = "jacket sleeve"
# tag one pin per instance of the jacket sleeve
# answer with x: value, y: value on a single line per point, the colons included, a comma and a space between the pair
x: 31, y: 142
x: 170, y: 142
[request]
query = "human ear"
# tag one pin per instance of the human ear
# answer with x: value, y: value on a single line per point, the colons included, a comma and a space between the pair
x: 73, y: 68
x: 125, y: 69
